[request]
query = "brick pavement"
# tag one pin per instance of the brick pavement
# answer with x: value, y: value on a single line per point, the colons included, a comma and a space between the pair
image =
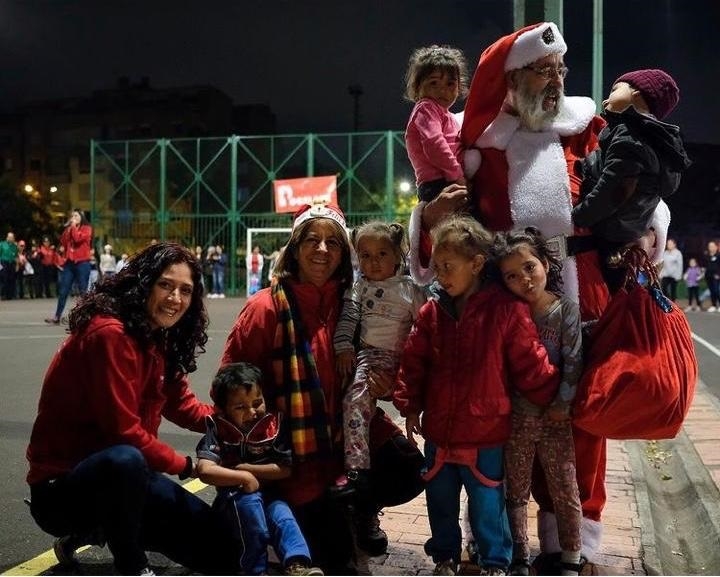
x: 629, y: 536
x: 621, y: 554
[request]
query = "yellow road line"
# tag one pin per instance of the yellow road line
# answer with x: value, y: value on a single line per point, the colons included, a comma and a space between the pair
x: 44, y: 561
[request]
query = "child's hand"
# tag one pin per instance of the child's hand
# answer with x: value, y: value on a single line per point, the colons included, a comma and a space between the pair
x: 412, y: 427
x: 345, y: 363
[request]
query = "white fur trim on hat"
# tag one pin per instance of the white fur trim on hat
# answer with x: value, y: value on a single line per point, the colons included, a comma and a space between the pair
x: 534, y: 44
x: 320, y: 211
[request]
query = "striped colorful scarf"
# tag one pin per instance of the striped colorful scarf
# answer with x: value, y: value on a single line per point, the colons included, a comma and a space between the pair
x: 299, y: 395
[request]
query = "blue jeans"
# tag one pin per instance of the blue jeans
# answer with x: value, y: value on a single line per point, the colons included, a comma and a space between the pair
x: 486, y: 508
x: 71, y: 272
x: 218, y: 281
x: 257, y: 525
x: 113, y: 492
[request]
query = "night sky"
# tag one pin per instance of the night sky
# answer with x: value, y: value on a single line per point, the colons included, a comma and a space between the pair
x: 299, y: 57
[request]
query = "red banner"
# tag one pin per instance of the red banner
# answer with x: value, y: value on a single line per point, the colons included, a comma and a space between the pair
x: 292, y: 193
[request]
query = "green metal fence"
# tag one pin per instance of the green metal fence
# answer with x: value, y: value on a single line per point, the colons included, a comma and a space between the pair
x: 211, y: 190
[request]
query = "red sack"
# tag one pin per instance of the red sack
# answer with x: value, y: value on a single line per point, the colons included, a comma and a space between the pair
x: 640, y: 368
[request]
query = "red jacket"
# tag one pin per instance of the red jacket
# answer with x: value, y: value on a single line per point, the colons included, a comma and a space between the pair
x: 77, y: 241
x: 252, y: 339
x: 459, y: 374
x: 102, y: 389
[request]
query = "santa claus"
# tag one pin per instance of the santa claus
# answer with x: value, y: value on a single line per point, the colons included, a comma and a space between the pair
x: 523, y: 139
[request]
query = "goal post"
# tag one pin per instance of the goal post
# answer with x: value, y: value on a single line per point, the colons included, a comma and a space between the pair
x: 253, y: 233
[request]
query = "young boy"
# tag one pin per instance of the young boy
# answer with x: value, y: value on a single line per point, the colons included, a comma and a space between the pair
x: 639, y: 162
x: 243, y: 447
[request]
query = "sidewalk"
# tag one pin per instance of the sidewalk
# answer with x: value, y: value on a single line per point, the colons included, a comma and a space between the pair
x: 644, y: 480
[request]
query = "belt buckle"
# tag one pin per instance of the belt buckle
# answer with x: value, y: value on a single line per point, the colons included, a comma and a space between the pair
x: 558, y: 245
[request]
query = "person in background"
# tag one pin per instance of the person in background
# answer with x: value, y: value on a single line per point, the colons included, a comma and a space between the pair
x: 98, y: 471
x: 208, y: 264
x: 692, y: 277
x: 640, y: 161
x: 47, y: 266
x: 533, y: 273
x: 23, y: 271
x: 712, y: 275
x: 35, y: 260
x: 121, y: 263
x: 244, y: 451
x: 672, y: 269
x: 382, y: 305
x: 8, y: 266
x: 435, y: 78
x: 77, y: 251
x: 466, y: 351
x: 108, y: 262
x: 287, y: 331
x: 254, y: 264
x: 219, y: 262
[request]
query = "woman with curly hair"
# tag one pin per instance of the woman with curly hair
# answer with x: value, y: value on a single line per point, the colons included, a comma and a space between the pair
x: 97, y: 467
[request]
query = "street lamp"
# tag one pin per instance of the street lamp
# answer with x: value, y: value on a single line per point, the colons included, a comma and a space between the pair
x: 404, y: 187
x: 28, y: 188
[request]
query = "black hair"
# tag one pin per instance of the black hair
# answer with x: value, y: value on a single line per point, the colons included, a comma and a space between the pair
x: 426, y: 60
x: 124, y: 296
x: 507, y: 243
x: 393, y: 232
x: 232, y: 377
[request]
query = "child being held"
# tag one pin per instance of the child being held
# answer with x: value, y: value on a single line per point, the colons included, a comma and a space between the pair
x: 533, y: 273
x: 639, y: 162
x: 435, y: 78
x: 244, y: 446
x: 383, y: 303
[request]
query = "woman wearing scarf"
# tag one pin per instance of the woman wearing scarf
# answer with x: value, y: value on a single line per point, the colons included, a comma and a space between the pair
x: 287, y: 330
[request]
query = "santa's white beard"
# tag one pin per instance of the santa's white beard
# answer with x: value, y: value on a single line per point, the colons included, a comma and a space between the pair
x: 529, y: 107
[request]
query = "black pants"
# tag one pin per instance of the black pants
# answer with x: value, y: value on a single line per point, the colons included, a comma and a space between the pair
x: 669, y: 287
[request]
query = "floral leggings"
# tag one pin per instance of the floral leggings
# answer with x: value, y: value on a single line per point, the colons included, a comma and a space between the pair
x: 552, y: 443
x: 359, y: 405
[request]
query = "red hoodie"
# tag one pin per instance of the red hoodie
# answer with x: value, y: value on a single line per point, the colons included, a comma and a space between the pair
x: 103, y: 389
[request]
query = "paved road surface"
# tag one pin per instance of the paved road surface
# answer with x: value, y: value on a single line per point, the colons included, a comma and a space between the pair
x: 26, y: 346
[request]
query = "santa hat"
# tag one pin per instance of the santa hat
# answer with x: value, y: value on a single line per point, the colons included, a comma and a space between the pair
x: 308, y: 211
x: 488, y: 88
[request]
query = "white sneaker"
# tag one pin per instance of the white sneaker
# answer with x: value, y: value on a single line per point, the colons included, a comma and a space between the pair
x: 712, y: 309
x: 688, y: 309
x: 221, y: 296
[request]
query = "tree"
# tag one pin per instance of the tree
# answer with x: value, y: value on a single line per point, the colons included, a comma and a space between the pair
x: 26, y: 215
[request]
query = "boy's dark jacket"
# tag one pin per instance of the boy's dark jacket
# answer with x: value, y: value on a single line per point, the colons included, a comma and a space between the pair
x: 632, y: 145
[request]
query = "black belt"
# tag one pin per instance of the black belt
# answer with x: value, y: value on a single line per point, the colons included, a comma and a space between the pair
x: 565, y: 246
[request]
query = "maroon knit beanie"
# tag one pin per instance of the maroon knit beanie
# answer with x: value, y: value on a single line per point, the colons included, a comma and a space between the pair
x: 658, y: 88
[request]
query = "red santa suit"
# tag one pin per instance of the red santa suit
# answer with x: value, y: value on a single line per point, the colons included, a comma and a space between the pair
x: 521, y: 178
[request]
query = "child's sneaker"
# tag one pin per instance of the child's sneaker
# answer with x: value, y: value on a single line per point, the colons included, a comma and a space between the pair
x: 447, y: 567
x: 301, y: 568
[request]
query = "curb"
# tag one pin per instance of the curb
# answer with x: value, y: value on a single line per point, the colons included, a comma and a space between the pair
x: 678, y: 499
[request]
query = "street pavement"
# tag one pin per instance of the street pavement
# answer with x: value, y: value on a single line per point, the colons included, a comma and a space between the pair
x: 662, y: 515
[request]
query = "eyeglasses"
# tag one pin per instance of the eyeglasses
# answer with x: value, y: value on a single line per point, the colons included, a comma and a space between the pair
x: 547, y: 72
